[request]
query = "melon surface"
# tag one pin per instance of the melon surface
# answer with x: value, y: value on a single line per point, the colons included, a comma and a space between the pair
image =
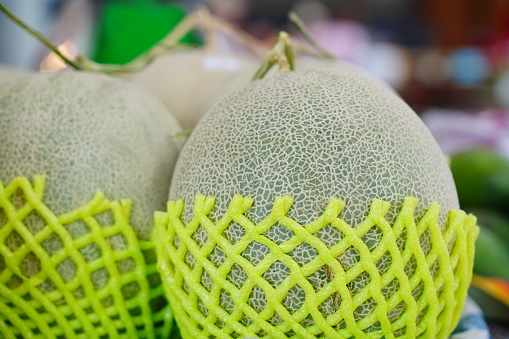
x: 85, y: 132
x: 244, y: 77
x: 182, y: 80
x: 8, y: 74
x: 88, y: 132
x: 314, y: 134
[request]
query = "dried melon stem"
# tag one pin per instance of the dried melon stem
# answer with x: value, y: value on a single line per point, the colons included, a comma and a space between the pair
x: 200, y: 18
x: 39, y: 37
x: 282, y: 53
x: 304, y: 31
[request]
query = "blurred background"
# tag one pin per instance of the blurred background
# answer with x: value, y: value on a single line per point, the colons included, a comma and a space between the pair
x: 449, y: 60
x: 450, y: 54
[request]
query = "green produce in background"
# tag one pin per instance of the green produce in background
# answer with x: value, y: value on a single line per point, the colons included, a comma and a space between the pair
x: 490, y: 268
x: 482, y: 179
x: 128, y: 28
x: 493, y: 220
x: 491, y: 254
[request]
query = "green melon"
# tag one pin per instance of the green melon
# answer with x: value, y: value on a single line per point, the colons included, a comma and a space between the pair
x: 182, y: 80
x: 8, y: 74
x: 313, y: 134
x: 244, y: 76
x: 88, y: 132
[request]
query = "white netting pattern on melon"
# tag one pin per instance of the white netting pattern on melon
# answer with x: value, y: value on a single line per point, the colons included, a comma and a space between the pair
x: 314, y: 135
x: 87, y: 132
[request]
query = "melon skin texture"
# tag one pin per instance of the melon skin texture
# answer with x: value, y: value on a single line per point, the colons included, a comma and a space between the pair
x: 313, y: 134
x: 87, y: 132
x: 244, y: 77
x: 183, y: 80
x: 8, y: 74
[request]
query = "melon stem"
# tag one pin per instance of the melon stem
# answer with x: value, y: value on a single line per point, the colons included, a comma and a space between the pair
x: 209, y: 31
x: 39, y: 37
x: 281, y: 53
x: 240, y: 36
x: 306, y: 34
x: 199, y: 18
x: 170, y: 41
x: 184, y: 133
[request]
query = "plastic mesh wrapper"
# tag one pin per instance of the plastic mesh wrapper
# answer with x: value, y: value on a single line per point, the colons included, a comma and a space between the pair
x: 416, y: 275
x: 82, y: 274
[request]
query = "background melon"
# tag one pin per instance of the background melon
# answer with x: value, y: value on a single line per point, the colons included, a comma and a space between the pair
x: 485, y: 182
x: 314, y: 135
x: 182, y: 80
x: 88, y: 132
x: 8, y: 74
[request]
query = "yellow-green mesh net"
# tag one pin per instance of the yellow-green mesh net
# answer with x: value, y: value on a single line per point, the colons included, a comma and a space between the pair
x: 82, y: 274
x: 415, y: 277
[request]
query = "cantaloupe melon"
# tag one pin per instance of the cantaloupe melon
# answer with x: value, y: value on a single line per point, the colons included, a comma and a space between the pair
x: 244, y: 76
x: 313, y: 135
x: 182, y: 80
x: 8, y: 74
x: 88, y: 132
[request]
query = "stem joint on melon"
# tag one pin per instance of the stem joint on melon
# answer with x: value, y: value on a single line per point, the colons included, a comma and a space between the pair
x: 282, y: 54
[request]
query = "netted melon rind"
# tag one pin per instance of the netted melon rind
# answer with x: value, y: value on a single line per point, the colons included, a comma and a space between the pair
x: 41, y: 300
x: 198, y: 311
x: 87, y: 131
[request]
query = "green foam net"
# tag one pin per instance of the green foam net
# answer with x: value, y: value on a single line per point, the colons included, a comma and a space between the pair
x: 415, y: 277
x: 82, y: 274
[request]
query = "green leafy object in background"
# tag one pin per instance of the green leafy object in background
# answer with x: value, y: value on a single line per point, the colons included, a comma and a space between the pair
x: 491, y: 255
x: 482, y: 179
x: 496, y: 221
x: 127, y: 29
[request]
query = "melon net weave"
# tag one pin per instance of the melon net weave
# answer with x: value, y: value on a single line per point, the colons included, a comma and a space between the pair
x: 416, y: 275
x: 82, y: 274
